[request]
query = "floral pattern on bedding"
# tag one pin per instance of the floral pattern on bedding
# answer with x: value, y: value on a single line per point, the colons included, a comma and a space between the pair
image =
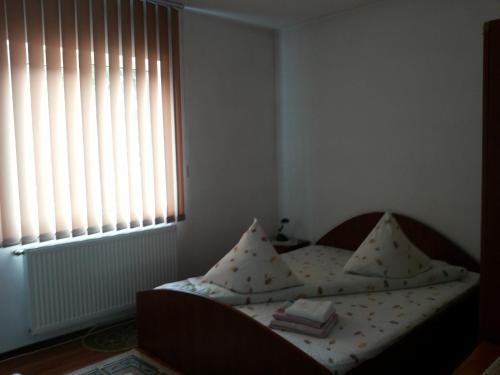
x: 320, y: 270
x: 387, y: 252
x: 252, y: 266
x: 368, y: 322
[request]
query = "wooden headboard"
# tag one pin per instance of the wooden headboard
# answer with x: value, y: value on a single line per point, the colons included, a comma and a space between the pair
x: 352, y: 232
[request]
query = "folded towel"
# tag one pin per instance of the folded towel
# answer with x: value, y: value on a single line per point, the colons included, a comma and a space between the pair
x: 281, y: 315
x: 318, y: 311
x: 323, y: 331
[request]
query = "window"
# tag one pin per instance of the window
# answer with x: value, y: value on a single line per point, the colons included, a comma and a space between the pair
x: 90, y: 127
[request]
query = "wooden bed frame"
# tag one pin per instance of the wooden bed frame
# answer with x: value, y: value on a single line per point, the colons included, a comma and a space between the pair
x: 197, y: 335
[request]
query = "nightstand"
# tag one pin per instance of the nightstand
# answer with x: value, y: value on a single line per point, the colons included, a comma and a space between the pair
x: 480, y: 359
x: 290, y: 245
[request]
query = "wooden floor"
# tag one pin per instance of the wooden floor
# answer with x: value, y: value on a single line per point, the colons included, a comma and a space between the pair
x: 54, y: 361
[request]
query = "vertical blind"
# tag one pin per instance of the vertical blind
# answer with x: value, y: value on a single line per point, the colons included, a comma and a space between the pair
x: 90, y: 126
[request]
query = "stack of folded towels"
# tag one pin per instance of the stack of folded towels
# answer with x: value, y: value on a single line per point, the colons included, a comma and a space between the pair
x: 312, y: 318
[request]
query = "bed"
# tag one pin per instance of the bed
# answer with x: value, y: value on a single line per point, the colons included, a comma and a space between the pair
x: 387, y: 329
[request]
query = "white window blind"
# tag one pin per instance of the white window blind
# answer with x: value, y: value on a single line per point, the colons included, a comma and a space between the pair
x: 90, y: 126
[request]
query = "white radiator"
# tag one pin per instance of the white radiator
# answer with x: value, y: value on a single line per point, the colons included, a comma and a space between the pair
x: 82, y: 282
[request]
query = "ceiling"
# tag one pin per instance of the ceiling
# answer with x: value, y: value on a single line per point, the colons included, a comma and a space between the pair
x: 276, y: 14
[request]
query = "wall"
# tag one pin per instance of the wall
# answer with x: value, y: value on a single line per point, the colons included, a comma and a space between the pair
x: 230, y: 134
x: 229, y: 125
x: 380, y: 109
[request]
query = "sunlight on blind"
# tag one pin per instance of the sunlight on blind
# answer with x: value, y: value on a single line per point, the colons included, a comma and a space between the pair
x: 87, y: 137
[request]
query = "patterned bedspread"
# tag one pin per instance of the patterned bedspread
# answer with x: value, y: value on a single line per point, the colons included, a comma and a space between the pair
x: 320, y: 269
x: 373, y: 312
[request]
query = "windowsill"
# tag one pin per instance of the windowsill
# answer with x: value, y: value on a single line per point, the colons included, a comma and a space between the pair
x: 76, y: 241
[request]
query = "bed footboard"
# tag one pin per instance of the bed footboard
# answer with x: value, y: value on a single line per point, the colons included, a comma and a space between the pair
x: 197, y: 335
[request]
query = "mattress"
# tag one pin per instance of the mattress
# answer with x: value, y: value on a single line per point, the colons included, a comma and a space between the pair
x: 373, y: 312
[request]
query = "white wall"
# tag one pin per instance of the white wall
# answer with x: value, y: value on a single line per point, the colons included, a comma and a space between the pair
x: 230, y: 134
x: 380, y: 109
x: 230, y: 148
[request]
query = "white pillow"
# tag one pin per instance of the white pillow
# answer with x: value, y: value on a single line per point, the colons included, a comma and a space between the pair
x: 387, y: 252
x: 252, y: 266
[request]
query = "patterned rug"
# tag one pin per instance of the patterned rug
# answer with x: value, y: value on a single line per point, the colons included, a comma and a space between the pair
x: 130, y: 363
x: 117, y: 338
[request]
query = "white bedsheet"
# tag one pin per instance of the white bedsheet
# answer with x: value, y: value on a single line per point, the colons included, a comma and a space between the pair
x: 368, y: 322
x: 373, y: 312
x: 320, y: 269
